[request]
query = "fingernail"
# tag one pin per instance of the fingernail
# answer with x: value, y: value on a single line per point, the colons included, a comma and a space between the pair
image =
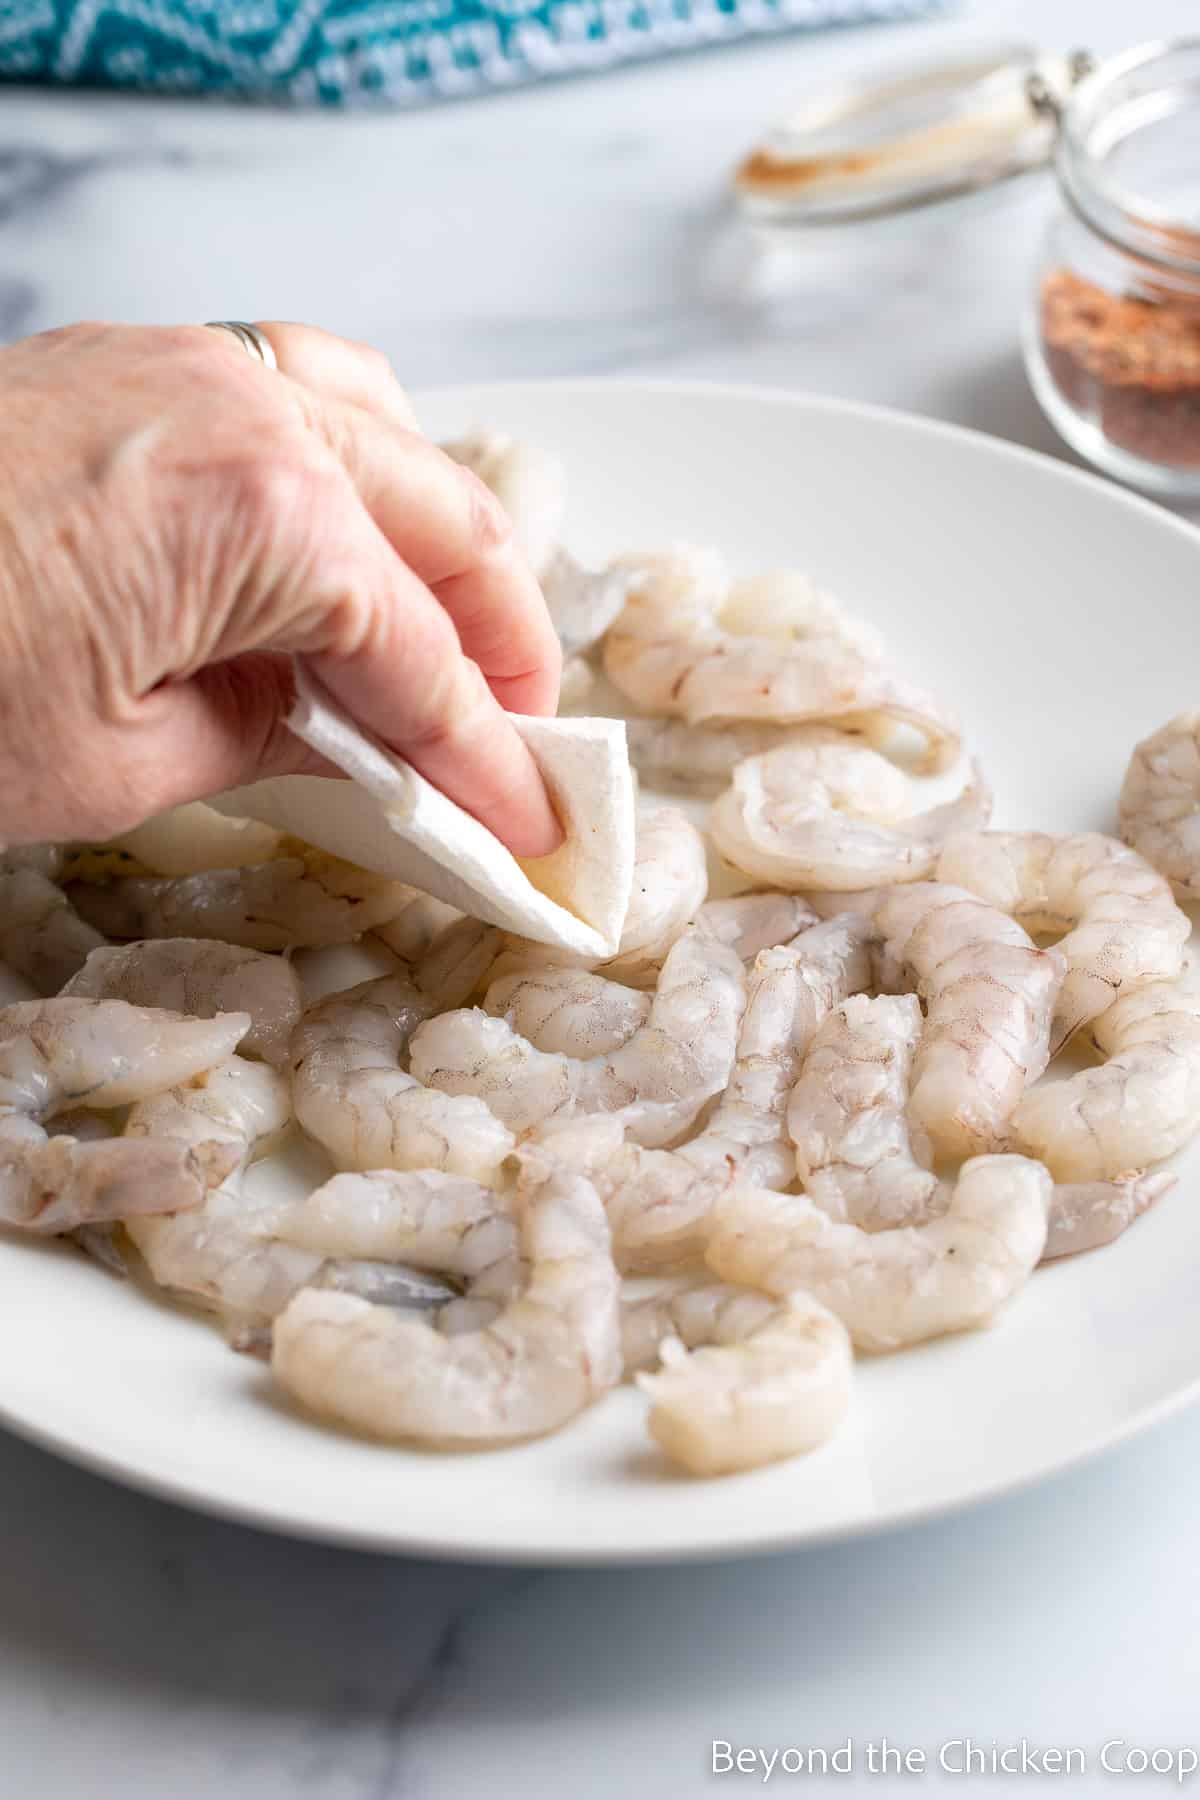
x: 539, y: 831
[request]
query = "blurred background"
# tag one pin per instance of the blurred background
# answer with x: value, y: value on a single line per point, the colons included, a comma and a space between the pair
x: 581, y: 226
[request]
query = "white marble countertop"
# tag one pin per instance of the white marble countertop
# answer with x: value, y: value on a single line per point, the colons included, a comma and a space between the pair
x: 147, y: 1652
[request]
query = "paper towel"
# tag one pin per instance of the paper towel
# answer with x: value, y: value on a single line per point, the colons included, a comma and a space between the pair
x: 388, y: 818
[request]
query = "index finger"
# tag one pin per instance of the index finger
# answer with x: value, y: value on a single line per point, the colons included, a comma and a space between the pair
x: 453, y: 533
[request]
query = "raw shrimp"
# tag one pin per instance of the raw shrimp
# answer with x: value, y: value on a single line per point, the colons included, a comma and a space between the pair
x: 422, y: 1219
x: 225, y: 1256
x: 749, y: 923
x: 296, y: 900
x: 211, y: 1254
x: 200, y: 977
x: 832, y: 816
x: 988, y: 993
x: 1122, y: 926
x: 578, y: 680
x: 1138, y: 1106
x: 859, y: 1163
x: 58, y: 1054
x: 659, y: 1202
x: 847, y: 1119
x: 583, y: 603
x: 789, y: 991
x: 352, y: 1096
x: 701, y: 759
x: 1160, y: 803
x: 1087, y: 1215
x: 62, y: 1053
x: 457, y: 963
x: 683, y: 647
x: 193, y: 839
x: 529, y: 483
x: 670, y: 881
x: 42, y: 937
x: 419, y: 921
x: 897, y: 1287
x: 658, y: 1080
x: 531, y: 486
x: 744, y: 1380
x: 550, y: 1353
x: 568, y: 1011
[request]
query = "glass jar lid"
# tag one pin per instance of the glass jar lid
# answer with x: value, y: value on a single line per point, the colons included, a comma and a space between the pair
x: 1128, y: 153
x: 897, y: 140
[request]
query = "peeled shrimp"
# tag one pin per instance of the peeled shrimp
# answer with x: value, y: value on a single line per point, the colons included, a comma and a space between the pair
x: 568, y: 1011
x: 193, y: 839
x: 211, y: 1254
x: 56, y: 1055
x: 419, y: 1219
x: 749, y: 923
x: 1122, y: 926
x: 988, y: 993
x: 352, y: 1096
x: 457, y: 963
x: 1141, y: 1104
x: 744, y: 1380
x: 1160, y: 803
x: 225, y: 1256
x: 659, y: 1079
x: 529, y: 483
x: 896, y: 1287
x: 860, y: 1164
x: 583, y: 603
x: 575, y: 687
x: 550, y: 1353
x: 847, y: 1119
x: 42, y: 937
x: 531, y: 486
x: 418, y: 922
x: 293, y: 901
x: 660, y: 1202
x: 1087, y: 1215
x: 418, y: 1216
x: 682, y: 647
x: 701, y: 759
x: 832, y: 815
x: 670, y: 881
x: 789, y: 991
x: 201, y: 978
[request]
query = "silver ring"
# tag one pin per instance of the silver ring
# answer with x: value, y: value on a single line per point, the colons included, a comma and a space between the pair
x: 253, y: 341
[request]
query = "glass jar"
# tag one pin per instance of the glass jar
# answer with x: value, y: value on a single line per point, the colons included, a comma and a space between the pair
x: 1112, y: 337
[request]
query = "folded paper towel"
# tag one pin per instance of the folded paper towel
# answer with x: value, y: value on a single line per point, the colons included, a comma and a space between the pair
x: 390, y: 819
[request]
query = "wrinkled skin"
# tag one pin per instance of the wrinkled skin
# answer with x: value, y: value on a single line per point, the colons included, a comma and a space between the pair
x: 190, y: 519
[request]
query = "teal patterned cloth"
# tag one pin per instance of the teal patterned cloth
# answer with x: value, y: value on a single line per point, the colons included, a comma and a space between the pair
x: 347, y: 52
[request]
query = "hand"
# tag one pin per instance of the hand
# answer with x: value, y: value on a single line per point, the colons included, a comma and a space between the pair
x: 176, y: 520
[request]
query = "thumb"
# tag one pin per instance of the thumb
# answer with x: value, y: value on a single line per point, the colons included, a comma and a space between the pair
x: 224, y: 727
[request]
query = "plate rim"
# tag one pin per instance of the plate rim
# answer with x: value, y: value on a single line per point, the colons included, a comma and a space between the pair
x: 281, y: 1520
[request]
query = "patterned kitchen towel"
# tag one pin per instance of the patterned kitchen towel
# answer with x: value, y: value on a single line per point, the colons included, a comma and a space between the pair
x: 346, y: 52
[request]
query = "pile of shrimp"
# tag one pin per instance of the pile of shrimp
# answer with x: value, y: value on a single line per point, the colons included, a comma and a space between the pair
x: 797, y: 1120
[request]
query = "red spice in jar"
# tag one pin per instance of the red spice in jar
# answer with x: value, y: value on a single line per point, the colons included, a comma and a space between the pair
x: 1131, y: 364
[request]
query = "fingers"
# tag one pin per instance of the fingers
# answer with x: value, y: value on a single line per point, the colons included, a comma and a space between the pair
x: 439, y: 517
x: 382, y: 644
x: 394, y: 660
x: 449, y: 528
x: 338, y: 370
x: 222, y: 728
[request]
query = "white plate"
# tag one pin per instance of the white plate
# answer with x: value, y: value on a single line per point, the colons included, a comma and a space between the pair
x: 1060, y: 615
